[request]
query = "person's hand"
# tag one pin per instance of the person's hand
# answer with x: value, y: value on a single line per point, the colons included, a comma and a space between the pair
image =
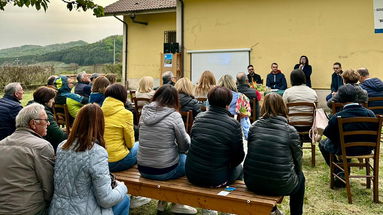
x: 301, y: 66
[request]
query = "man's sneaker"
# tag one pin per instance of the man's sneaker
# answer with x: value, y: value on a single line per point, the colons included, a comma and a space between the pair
x: 208, y: 212
x: 276, y: 212
x: 138, y: 201
x: 161, y: 206
x: 183, y: 209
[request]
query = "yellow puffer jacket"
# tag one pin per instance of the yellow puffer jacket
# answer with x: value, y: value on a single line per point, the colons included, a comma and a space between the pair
x: 119, y: 132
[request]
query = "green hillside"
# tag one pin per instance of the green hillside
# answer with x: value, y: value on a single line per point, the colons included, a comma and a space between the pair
x: 100, y: 52
x: 38, y: 50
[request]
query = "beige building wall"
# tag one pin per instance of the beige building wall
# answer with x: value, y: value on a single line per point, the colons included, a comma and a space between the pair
x: 281, y: 31
x: 145, y: 45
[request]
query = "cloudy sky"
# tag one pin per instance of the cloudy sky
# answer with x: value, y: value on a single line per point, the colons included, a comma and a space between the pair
x: 27, y: 26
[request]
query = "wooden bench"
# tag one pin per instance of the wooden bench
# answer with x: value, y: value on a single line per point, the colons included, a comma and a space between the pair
x: 239, y: 201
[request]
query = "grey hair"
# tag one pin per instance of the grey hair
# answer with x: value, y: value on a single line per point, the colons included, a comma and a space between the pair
x: 241, y: 78
x: 27, y: 114
x: 11, y: 88
x: 363, y: 72
x: 167, y: 76
x: 80, y: 76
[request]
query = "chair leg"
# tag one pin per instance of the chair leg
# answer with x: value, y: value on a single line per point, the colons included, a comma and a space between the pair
x: 368, y: 180
x: 347, y: 179
x: 312, y: 154
x: 375, y: 188
x: 331, y: 171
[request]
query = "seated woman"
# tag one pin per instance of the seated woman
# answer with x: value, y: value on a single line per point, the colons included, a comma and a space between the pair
x: 239, y: 105
x: 46, y: 97
x: 185, y: 93
x: 145, y: 90
x: 216, y: 150
x: 163, y: 141
x: 351, y: 76
x: 282, y: 175
x: 82, y: 183
x: 300, y: 92
x: 98, y: 89
x: 205, y: 84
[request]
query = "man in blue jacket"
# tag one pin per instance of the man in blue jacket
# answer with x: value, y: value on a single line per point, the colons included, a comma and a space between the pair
x: 9, y: 108
x: 275, y: 79
x: 373, y: 86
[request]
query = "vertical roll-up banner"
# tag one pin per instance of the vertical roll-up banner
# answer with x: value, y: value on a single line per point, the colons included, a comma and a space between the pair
x: 378, y: 16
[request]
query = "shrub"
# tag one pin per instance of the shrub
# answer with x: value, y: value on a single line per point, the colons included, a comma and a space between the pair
x: 28, y: 76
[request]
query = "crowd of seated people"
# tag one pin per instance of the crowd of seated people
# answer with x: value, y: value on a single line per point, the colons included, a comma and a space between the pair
x: 103, y: 139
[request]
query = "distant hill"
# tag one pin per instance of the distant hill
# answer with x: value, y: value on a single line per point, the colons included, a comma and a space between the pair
x: 38, y: 50
x: 100, y: 52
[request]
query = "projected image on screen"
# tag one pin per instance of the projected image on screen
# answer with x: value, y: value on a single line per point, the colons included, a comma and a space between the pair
x: 220, y: 63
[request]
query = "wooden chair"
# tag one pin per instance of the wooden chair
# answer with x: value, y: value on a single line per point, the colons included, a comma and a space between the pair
x: 304, y: 135
x: 203, y: 101
x: 138, y: 105
x: 132, y: 94
x: 62, y: 116
x: 337, y: 107
x: 187, y: 117
x: 375, y: 108
x: 346, y: 161
x: 253, y: 105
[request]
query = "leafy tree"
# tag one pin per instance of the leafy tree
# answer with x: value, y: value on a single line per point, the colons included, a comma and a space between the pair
x: 70, y: 4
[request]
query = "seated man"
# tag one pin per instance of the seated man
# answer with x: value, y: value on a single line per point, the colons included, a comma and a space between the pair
x: 83, y: 87
x: 373, y: 86
x: 336, y: 79
x: 9, y: 108
x: 243, y: 87
x: 168, y: 78
x: 252, y: 76
x: 275, y: 79
x: 26, y: 165
x: 64, y: 95
x: 331, y: 145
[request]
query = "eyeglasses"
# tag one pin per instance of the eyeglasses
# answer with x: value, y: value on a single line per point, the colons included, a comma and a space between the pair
x: 251, y: 69
x: 46, y: 120
x: 336, y: 68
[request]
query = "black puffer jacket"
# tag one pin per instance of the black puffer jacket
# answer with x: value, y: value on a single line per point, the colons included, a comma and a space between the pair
x: 274, y: 157
x: 216, y: 148
x: 189, y: 103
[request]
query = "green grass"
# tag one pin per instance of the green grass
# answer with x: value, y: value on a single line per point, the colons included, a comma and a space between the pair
x: 319, y: 198
x: 28, y: 95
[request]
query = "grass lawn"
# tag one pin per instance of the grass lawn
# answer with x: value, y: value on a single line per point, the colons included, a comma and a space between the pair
x: 319, y: 198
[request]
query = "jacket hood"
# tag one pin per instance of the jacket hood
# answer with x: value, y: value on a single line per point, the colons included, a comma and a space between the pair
x: 61, y: 84
x: 153, y: 113
x: 112, y: 106
x: 373, y: 83
x: 277, y: 72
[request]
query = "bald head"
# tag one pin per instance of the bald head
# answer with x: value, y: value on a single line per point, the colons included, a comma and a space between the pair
x: 241, y: 78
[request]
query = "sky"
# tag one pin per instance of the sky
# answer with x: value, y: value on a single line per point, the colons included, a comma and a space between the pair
x: 27, y: 26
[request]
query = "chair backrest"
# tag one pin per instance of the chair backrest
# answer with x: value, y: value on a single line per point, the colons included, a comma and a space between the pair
x: 203, y: 101
x: 253, y: 105
x: 62, y: 116
x: 293, y: 111
x: 337, y: 107
x: 347, y: 138
x: 187, y: 117
x: 379, y: 104
x: 139, y: 103
x: 132, y: 94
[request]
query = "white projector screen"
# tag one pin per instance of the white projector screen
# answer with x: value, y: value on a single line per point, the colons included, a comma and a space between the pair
x: 220, y: 62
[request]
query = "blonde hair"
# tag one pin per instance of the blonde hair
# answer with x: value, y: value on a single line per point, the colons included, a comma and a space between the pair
x: 228, y: 82
x: 205, y: 83
x: 185, y: 86
x: 145, y: 84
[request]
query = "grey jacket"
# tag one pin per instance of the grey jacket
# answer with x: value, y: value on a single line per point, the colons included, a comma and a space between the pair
x: 162, y: 137
x: 82, y: 183
x: 26, y: 173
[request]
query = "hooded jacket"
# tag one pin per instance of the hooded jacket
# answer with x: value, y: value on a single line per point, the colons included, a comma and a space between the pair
x: 216, y: 148
x: 374, y: 88
x: 273, y: 161
x: 119, y: 132
x: 64, y: 96
x: 162, y: 138
x: 276, y: 81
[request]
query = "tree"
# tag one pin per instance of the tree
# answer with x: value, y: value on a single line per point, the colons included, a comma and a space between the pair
x: 70, y: 4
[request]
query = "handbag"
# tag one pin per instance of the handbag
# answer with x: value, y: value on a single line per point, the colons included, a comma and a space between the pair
x: 319, y: 124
